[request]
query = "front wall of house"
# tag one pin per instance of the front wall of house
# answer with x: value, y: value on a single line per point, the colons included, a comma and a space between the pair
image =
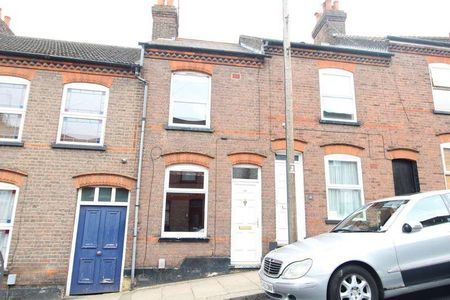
x: 44, y: 220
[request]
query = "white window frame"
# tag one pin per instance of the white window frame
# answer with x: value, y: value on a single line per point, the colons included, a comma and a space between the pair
x: 19, y: 111
x: 342, y: 157
x: 185, y: 168
x: 9, y: 226
x: 63, y: 113
x: 446, y: 172
x: 103, y: 203
x: 442, y: 88
x: 173, y: 100
x: 324, y: 93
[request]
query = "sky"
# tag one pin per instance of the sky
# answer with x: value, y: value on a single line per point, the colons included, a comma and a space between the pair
x: 126, y: 23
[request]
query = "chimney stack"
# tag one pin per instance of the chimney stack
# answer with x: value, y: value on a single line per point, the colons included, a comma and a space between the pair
x: 4, y: 25
x: 7, y: 20
x: 165, y: 20
x: 331, y: 21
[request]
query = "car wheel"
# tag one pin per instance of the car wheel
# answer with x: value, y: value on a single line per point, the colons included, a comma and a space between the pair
x: 352, y: 283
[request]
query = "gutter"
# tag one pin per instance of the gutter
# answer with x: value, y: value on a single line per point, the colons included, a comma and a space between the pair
x: 418, y: 41
x: 138, y: 73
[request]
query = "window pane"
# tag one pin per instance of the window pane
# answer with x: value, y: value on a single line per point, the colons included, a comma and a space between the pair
x: 338, y: 108
x: 81, y: 130
x: 4, y: 234
x: 6, y: 205
x: 343, y: 202
x: 188, y: 87
x: 245, y: 173
x: 186, y: 180
x: 430, y: 211
x: 184, y: 212
x: 12, y: 95
x: 336, y: 85
x: 9, y: 125
x: 441, y: 99
x: 85, y: 101
x: 343, y: 172
x: 104, y: 194
x: 447, y: 159
x: 283, y: 157
x: 189, y: 113
x: 87, y: 194
x: 441, y: 76
x: 121, y: 195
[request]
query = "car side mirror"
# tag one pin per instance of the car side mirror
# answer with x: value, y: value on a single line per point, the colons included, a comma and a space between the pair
x: 413, y: 227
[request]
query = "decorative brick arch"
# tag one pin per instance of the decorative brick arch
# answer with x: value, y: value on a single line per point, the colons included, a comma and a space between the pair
x: 86, y: 78
x: 177, y: 158
x: 343, y: 149
x: 247, y: 158
x: 437, y: 60
x: 104, y: 179
x: 13, y: 177
x: 280, y: 144
x: 444, y: 138
x: 17, y: 72
x: 403, y: 153
x: 326, y: 64
x: 176, y: 66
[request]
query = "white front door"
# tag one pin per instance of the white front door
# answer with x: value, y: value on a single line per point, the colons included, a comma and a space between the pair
x: 281, y: 199
x: 246, y: 216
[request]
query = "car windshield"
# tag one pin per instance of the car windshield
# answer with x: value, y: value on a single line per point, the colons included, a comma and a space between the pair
x: 370, y: 218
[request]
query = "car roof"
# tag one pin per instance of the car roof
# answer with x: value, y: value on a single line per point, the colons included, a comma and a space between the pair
x: 413, y: 197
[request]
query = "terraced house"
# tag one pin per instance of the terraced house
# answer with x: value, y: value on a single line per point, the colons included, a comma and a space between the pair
x: 371, y: 116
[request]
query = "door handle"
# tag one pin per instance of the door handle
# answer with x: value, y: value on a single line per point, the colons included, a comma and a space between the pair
x: 99, y: 253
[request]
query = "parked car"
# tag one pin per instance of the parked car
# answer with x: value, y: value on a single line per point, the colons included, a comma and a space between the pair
x: 387, y: 248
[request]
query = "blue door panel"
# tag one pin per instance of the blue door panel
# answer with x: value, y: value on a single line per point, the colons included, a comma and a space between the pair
x: 91, y: 222
x: 98, y: 250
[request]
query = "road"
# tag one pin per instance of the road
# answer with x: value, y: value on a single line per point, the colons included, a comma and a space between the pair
x: 433, y: 294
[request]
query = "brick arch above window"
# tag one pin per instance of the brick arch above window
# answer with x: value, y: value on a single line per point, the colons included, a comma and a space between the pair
x: 104, y: 179
x: 343, y: 149
x: 326, y: 64
x: 403, y: 153
x: 246, y: 158
x: 176, y: 158
x: 87, y: 78
x: 437, y: 60
x: 177, y: 66
x: 280, y: 144
x: 444, y: 138
x: 18, y: 72
x: 13, y: 177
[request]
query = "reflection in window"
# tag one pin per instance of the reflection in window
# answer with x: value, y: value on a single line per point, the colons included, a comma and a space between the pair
x: 13, y: 98
x: 245, y: 173
x: 440, y: 80
x: 8, y: 198
x: 103, y: 194
x: 429, y: 212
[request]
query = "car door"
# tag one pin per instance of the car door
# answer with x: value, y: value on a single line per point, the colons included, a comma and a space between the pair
x: 423, y: 254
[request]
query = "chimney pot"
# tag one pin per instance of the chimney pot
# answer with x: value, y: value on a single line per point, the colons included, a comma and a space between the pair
x: 336, y: 5
x: 7, y: 20
x: 327, y: 5
x: 0, y: 13
x: 317, y: 15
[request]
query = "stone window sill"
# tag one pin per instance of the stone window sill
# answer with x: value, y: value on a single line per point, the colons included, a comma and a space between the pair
x: 441, y: 112
x: 357, y: 124
x: 11, y: 144
x: 183, y: 240
x: 192, y: 129
x: 78, y: 147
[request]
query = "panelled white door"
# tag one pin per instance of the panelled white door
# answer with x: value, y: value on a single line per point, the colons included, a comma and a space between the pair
x: 246, y: 216
x: 281, y: 198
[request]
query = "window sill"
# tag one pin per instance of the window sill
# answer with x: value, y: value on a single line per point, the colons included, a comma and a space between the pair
x: 332, y: 222
x: 441, y: 112
x: 78, y: 147
x: 11, y: 144
x: 183, y: 240
x: 357, y: 124
x: 192, y: 129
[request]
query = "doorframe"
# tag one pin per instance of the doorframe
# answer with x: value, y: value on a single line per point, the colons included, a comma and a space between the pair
x: 301, y: 181
x: 259, y: 214
x: 75, y: 231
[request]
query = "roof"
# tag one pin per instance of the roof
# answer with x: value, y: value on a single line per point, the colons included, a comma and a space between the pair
x: 4, y: 29
x: 208, y: 46
x: 85, y: 52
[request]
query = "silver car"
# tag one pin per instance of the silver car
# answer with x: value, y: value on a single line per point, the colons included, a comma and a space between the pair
x: 387, y: 248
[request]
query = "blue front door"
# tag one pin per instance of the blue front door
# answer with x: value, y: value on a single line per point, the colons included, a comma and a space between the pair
x: 98, y: 251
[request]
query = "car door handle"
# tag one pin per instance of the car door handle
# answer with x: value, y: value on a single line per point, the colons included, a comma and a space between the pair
x: 99, y: 253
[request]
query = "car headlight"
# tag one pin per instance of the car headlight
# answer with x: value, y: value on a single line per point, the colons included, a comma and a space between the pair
x: 297, y: 269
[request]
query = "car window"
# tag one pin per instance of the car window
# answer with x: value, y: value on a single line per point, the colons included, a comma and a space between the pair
x: 429, y: 212
x: 447, y: 199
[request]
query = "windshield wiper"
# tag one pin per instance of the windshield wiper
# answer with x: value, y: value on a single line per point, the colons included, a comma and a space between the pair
x: 342, y: 230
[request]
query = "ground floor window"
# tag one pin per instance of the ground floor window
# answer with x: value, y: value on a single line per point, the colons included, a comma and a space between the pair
x: 446, y: 160
x: 344, y: 185
x: 185, y: 201
x: 8, y: 199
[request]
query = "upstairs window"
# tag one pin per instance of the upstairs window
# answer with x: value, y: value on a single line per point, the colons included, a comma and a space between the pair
x: 344, y: 185
x: 83, y: 114
x: 337, y: 95
x: 13, y: 101
x: 190, y: 100
x: 440, y: 80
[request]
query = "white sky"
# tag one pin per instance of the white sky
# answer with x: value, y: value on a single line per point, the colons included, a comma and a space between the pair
x: 126, y: 23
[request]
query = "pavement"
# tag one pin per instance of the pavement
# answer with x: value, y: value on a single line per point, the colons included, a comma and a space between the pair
x: 243, y: 285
